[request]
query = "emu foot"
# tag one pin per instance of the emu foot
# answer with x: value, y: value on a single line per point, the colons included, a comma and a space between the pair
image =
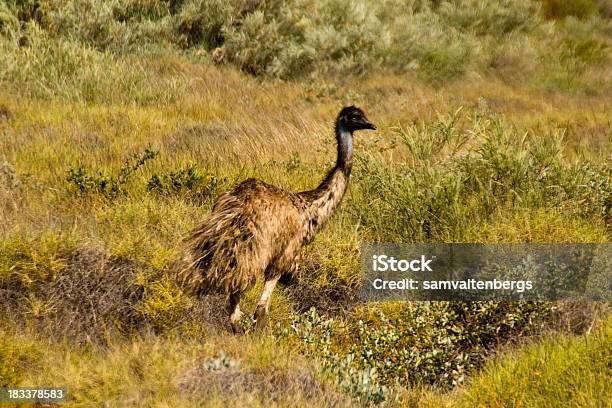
x: 260, y: 320
x: 235, y: 321
x: 237, y: 327
x: 287, y: 279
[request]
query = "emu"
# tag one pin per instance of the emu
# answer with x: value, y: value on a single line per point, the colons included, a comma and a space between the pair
x: 257, y: 229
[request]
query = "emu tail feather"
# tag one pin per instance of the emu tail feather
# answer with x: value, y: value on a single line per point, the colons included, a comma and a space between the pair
x: 222, y: 255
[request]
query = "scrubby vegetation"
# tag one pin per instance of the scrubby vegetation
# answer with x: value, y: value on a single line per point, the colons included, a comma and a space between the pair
x: 436, y: 41
x: 121, y: 121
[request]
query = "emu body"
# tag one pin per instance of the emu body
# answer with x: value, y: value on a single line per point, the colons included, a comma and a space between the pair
x: 257, y: 230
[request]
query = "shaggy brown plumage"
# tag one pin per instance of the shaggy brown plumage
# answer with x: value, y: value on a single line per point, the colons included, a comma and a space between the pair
x: 257, y: 230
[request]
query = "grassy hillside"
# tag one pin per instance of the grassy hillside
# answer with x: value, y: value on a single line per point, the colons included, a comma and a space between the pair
x: 120, y: 122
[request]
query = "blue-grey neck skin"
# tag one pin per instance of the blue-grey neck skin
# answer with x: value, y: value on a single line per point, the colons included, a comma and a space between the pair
x: 345, y: 147
x: 324, y: 199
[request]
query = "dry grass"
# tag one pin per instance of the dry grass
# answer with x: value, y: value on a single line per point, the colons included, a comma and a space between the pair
x: 268, y: 386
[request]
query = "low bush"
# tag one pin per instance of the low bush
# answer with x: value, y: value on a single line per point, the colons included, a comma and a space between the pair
x: 202, y: 23
x: 459, y: 176
x: 189, y: 179
x: 82, y: 183
x: 315, y: 336
x: 557, y: 9
x: 418, y: 343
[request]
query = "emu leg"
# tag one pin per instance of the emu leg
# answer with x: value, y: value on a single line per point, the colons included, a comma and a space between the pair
x: 235, y: 312
x: 261, y: 313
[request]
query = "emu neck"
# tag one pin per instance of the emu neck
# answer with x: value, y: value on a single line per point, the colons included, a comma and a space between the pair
x: 325, y: 198
x: 344, y: 138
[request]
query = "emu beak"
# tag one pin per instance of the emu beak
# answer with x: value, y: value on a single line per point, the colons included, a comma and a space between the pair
x: 368, y: 125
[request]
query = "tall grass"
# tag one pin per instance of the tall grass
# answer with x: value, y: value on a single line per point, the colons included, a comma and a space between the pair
x: 572, y: 370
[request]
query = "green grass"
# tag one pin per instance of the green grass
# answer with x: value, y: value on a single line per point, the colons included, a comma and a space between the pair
x: 568, y: 370
x: 572, y: 371
x: 168, y: 372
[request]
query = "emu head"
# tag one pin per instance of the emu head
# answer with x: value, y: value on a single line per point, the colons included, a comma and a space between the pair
x: 353, y: 118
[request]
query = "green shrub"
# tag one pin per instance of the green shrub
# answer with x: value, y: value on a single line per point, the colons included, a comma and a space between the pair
x: 315, y: 335
x: 9, y: 24
x: 140, y: 10
x: 416, y: 343
x: 461, y: 177
x: 571, y: 57
x: 489, y: 17
x: 287, y: 39
x: 39, y: 65
x: 423, y: 43
x: 557, y: 9
x: 201, y: 22
x: 441, y: 342
x: 118, y: 26
x: 189, y: 179
x: 222, y: 362
x: 257, y: 43
x: 82, y: 183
